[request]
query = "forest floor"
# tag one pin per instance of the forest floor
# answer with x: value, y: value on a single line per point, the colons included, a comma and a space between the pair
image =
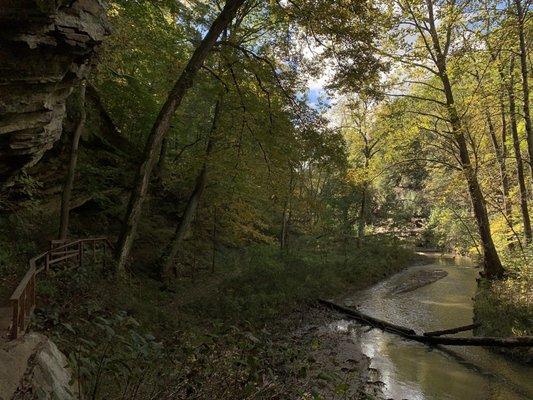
x: 339, y: 368
x: 246, y: 331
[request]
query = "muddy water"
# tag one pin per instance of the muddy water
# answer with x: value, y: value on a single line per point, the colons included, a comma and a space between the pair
x: 409, y: 370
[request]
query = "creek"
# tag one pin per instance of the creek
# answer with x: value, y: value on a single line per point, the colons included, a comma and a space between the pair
x: 409, y: 370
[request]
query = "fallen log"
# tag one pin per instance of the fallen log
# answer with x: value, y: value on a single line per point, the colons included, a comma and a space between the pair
x: 519, y: 341
x: 453, y: 330
x: 368, y: 320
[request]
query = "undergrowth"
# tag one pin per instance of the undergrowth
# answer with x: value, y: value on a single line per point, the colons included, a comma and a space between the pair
x: 505, y: 307
x: 222, y: 336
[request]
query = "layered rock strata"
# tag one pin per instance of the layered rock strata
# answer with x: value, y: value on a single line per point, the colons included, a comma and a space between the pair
x: 46, y: 48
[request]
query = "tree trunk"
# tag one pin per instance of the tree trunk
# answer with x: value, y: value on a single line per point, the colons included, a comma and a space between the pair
x: 194, y: 199
x: 161, y: 164
x: 69, y: 180
x: 453, y: 331
x: 362, y: 214
x: 186, y: 219
x: 161, y: 128
x: 367, y: 152
x: 491, y: 261
x: 520, y: 18
x: 500, y: 150
x: 286, y: 213
x: 492, y: 265
x: 518, y: 157
x: 367, y: 319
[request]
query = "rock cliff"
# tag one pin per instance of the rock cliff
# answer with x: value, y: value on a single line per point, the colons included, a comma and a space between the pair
x: 46, y: 48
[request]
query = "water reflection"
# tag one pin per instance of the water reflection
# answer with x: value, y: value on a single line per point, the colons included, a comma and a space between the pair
x: 411, y: 370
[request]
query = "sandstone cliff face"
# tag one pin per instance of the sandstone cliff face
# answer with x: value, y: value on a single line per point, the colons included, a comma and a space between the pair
x: 46, y: 48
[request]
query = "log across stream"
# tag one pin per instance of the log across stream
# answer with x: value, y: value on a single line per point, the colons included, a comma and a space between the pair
x: 433, y: 338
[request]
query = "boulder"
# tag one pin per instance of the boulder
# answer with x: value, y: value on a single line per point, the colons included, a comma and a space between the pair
x: 14, y: 356
x: 37, y: 370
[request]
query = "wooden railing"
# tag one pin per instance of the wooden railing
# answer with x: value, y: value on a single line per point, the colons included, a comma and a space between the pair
x: 23, y: 299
